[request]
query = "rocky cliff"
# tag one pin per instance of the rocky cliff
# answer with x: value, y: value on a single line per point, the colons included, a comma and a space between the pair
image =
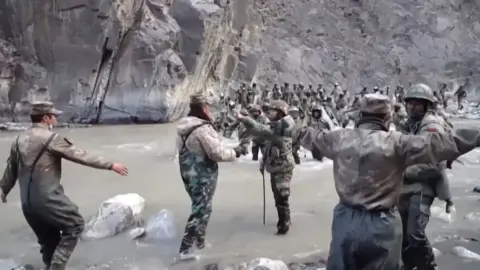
x: 107, y: 61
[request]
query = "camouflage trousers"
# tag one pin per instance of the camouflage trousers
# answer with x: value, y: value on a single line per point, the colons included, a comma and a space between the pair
x: 201, y: 195
x: 57, y: 231
x: 280, y: 183
x: 416, y: 249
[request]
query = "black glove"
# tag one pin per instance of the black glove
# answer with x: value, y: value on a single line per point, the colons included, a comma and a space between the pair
x: 449, y: 207
x: 240, y: 150
x: 449, y: 164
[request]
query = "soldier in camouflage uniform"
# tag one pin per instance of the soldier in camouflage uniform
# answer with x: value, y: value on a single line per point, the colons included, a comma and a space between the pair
x: 278, y: 158
x: 399, y: 116
x: 369, y: 162
x: 461, y: 94
x: 200, y: 150
x: 35, y: 160
x: 318, y: 122
x: 258, y: 144
x: 295, y: 113
x: 422, y: 182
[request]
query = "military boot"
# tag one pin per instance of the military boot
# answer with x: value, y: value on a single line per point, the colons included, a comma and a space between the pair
x: 255, y: 150
x: 283, y: 224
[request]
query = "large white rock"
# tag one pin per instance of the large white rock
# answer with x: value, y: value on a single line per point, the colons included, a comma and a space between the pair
x: 114, y: 216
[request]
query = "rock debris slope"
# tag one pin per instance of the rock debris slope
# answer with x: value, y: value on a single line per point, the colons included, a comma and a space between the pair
x: 111, y: 61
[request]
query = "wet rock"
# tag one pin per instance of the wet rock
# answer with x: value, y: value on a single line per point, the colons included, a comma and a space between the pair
x: 111, y: 219
x: 465, y: 253
x: 137, y: 233
x: 265, y: 264
x: 114, y: 216
x: 160, y: 226
x: 477, y: 189
x: 211, y: 266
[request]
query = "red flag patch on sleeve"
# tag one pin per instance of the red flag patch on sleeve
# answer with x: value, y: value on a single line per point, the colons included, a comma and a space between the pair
x: 432, y: 130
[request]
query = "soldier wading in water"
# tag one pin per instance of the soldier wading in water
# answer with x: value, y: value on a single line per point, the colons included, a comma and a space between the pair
x: 200, y: 150
x: 369, y: 162
x: 278, y: 159
x: 35, y: 160
x: 422, y: 182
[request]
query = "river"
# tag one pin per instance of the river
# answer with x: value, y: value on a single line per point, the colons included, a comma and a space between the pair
x: 236, y: 233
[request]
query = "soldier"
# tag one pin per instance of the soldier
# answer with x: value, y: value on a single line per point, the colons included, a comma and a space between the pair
x: 364, y: 91
x: 318, y: 122
x: 229, y: 121
x: 422, y: 182
x: 200, y: 150
x: 461, y: 94
x: 258, y: 144
x: 278, y: 158
x: 376, y: 89
x: 399, y: 116
x: 294, y: 112
x: 442, y: 95
x: 250, y: 99
x: 369, y: 163
x: 35, y: 160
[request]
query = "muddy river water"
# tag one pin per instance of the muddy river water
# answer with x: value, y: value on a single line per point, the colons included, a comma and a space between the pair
x: 236, y: 233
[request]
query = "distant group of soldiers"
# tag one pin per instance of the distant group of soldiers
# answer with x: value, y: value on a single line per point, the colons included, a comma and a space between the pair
x: 314, y: 106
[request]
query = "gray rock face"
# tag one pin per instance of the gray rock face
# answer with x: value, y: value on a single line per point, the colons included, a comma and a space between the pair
x: 109, y: 61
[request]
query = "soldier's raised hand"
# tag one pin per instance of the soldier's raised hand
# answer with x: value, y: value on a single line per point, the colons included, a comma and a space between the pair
x: 120, y: 169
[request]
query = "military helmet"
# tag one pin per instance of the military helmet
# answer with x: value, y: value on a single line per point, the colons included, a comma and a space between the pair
x: 293, y: 109
x: 420, y: 91
x: 254, y: 108
x: 279, y: 105
x: 317, y: 107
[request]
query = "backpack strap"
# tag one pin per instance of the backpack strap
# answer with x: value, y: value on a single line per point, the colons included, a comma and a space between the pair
x: 185, y: 137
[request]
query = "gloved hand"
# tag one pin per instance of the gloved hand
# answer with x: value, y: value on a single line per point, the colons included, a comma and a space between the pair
x: 449, y: 164
x: 449, y: 207
x: 240, y: 150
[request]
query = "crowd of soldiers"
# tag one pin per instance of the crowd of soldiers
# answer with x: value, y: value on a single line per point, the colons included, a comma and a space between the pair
x: 315, y: 107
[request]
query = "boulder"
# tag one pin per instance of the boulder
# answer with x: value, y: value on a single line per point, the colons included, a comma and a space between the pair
x: 114, y: 216
x: 265, y: 264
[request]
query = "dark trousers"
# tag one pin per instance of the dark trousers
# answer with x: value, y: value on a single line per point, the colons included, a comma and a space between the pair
x: 201, y: 194
x: 416, y: 249
x: 256, y: 148
x: 57, y: 231
x: 365, y: 240
x: 280, y: 184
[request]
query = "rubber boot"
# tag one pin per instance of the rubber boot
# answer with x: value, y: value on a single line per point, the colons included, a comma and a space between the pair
x: 255, y: 150
x: 296, y: 157
x: 283, y: 224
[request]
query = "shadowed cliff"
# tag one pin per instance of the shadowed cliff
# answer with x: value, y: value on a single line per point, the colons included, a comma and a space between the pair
x: 111, y: 61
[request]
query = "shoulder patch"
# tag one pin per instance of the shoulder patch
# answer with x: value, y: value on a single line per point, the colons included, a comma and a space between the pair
x: 432, y: 129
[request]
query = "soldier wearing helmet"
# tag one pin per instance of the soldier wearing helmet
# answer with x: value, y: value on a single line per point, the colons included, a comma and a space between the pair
x: 278, y: 158
x: 422, y: 182
x: 461, y: 94
x: 318, y: 122
x: 258, y: 144
x: 369, y: 162
x: 295, y: 113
